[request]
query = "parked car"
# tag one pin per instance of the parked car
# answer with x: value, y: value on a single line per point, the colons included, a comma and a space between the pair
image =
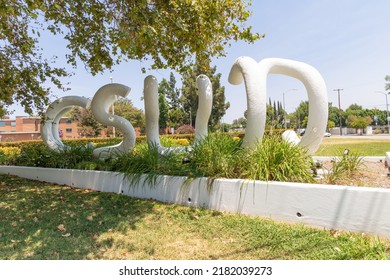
x: 327, y: 134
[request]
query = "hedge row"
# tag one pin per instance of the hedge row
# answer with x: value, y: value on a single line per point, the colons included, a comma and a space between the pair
x: 113, y: 141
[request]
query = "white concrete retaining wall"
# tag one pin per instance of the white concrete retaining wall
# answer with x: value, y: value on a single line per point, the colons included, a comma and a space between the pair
x: 333, y: 207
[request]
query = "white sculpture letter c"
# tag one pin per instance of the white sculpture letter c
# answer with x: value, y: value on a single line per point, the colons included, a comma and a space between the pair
x: 49, y: 128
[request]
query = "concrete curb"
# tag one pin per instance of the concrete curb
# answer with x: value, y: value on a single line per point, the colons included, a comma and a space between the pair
x: 358, y: 209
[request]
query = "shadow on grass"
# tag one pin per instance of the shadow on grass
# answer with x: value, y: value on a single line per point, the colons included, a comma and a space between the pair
x: 46, y: 221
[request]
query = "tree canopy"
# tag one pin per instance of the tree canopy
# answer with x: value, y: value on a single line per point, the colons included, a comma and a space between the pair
x: 189, y: 98
x: 102, y: 33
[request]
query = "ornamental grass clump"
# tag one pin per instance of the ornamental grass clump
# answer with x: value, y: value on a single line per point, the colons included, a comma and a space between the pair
x: 146, y: 159
x: 344, y: 166
x: 217, y: 155
x: 275, y: 159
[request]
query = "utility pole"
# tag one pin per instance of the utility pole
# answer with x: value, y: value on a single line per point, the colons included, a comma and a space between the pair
x: 387, y: 109
x: 340, y: 115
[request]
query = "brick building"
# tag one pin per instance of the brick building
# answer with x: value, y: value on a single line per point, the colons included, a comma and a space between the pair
x: 28, y: 128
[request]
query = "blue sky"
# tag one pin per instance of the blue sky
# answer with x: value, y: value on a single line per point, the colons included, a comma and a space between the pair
x: 347, y: 41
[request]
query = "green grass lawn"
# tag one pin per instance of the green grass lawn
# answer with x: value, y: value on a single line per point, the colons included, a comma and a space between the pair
x: 363, y: 146
x: 44, y: 221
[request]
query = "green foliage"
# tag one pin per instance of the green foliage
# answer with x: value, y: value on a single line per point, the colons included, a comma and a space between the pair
x: 275, y: 115
x: 26, y: 71
x: 330, y: 124
x: 163, y: 109
x: 189, y: 98
x: 358, y: 122
x: 102, y: 34
x: 301, y: 114
x: 277, y: 160
x: 170, y: 103
x: 366, y: 147
x: 239, y: 123
x: 185, y: 129
x: 125, y: 109
x: 145, y: 159
x: 343, y: 167
x: 42, y: 221
x: 8, y: 155
x: 218, y: 155
x: 3, y: 158
x: 41, y: 156
x: 88, y: 126
x: 333, y: 114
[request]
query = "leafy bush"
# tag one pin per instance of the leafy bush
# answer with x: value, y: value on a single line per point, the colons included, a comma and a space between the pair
x: 182, y: 142
x: 3, y: 158
x: 185, y: 129
x: 41, y: 156
x: 217, y: 155
x: 9, y: 154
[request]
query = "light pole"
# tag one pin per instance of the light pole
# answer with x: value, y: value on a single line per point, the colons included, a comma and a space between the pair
x: 340, y: 116
x: 387, y: 110
x: 113, y: 112
x: 284, y: 107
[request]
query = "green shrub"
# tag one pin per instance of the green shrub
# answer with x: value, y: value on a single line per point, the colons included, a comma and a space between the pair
x: 274, y: 159
x: 185, y: 129
x: 41, y: 156
x: 3, y: 158
x: 9, y: 154
x: 217, y: 155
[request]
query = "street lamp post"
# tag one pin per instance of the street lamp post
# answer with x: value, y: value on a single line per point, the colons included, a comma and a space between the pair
x: 340, y: 116
x: 387, y: 110
x: 284, y: 107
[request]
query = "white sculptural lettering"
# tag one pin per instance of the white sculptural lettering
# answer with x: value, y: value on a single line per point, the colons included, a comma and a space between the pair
x: 205, y: 92
x: 244, y: 69
x: 255, y: 77
x: 49, y: 128
x: 101, y: 103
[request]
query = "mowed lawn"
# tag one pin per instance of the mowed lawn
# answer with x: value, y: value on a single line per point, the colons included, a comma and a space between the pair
x: 361, y: 145
x: 45, y: 221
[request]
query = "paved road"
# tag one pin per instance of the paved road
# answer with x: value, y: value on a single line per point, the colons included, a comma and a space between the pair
x: 377, y: 136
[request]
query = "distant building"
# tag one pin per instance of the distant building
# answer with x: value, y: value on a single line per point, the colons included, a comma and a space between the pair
x: 28, y: 128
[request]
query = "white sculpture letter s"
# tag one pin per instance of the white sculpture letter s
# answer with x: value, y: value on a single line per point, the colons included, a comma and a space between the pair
x: 100, y: 105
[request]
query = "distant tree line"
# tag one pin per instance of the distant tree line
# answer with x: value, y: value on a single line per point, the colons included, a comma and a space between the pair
x: 178, y: 106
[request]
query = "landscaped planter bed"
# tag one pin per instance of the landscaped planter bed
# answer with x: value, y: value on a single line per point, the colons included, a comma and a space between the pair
x: 350, y: 208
